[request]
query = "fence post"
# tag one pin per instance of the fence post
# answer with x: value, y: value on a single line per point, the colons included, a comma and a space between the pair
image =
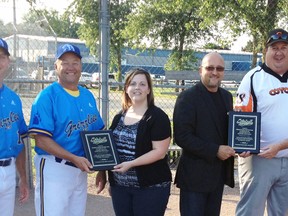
x: 29, y: 171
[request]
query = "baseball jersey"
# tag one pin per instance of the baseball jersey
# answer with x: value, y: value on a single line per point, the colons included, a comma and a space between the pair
x: 12, y: 124
x: 270, y: 98
x: 61, y: 116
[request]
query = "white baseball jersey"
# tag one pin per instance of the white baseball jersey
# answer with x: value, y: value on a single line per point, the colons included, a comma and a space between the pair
x: 270, y: 98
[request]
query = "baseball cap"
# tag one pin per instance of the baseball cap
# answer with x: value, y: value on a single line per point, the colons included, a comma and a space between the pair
x: 4, y: 46
x: 66, y: 48
x: 277, y: 35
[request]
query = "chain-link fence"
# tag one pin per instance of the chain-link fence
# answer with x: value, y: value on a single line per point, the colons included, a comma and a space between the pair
x: 33, y: 45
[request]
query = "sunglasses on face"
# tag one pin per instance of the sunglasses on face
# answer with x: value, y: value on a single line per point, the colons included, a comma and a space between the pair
x: 212, y: 68
x: 277, y: 36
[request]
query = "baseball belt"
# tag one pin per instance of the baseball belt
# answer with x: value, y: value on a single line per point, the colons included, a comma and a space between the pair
x: 59, y: 160
x: 4, y: 163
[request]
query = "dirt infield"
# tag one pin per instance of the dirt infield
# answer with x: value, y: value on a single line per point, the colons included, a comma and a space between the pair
x: 100, y: 205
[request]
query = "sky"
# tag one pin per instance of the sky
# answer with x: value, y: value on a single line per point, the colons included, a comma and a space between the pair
x: 240, y: 43
x: 22, y: 7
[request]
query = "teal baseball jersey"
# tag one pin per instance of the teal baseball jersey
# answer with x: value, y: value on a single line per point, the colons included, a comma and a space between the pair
x: 61, y: 116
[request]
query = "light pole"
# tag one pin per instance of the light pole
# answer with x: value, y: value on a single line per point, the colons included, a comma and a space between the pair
x: 42, y: 25
x: 44, y: 20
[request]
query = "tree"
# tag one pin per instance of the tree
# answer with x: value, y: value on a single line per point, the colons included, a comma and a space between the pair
x: 165, y: 23
x: 87, y: 12
x: 254, y: 17
x: 174, y: 25
x: 284, y: 20
x: 215, y: 46
x: 6, y: 30
x: 61, y: 25
x: 249, y: 47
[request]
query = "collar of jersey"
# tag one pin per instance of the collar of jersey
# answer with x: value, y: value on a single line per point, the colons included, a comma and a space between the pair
x: 73, y: 93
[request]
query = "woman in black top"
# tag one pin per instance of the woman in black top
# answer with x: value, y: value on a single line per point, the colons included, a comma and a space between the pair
x: 140, y: 184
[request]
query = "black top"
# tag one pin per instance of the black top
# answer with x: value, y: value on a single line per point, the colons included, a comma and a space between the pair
x: 155, y: 125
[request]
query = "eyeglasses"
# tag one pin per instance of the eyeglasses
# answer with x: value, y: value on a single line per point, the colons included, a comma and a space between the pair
x: 212, y: 68
x: 277, y: 36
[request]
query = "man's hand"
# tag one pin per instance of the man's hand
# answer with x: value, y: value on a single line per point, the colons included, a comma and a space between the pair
x: 245, y: 154
x: 225, y: 152
x: 269, y: 151
x: 83, y: 164
x: 100, y: 181
x: 23, y: 192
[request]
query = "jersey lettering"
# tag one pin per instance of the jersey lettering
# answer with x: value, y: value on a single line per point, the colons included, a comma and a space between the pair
x: 7, y: 122
x: 283, y: 90
x: 80, y: 125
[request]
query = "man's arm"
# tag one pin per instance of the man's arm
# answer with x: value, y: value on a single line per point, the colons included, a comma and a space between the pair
x: 21, y: 169
x: 49, y: 145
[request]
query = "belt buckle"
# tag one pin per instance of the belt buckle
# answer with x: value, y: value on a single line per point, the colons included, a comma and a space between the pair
x: 6, y: 162
x: 59, y: 160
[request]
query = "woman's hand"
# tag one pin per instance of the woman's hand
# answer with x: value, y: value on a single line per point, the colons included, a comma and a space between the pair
x: 123, y: 167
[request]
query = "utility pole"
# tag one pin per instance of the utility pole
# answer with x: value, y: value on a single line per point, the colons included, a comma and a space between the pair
x: 104, y: 59
x: 15, y: 30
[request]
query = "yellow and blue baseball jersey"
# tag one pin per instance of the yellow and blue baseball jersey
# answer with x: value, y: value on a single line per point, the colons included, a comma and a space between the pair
x: 61, y: 116
x: 12, y: 124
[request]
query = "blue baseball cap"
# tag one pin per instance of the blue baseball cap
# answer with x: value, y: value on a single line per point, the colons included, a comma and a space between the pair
x: 4, y: 46
x: 68, y: 48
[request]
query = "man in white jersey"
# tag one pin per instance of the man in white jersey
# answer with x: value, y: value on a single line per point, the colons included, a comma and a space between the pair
x: 58, y: 114
x: 263, y: 178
